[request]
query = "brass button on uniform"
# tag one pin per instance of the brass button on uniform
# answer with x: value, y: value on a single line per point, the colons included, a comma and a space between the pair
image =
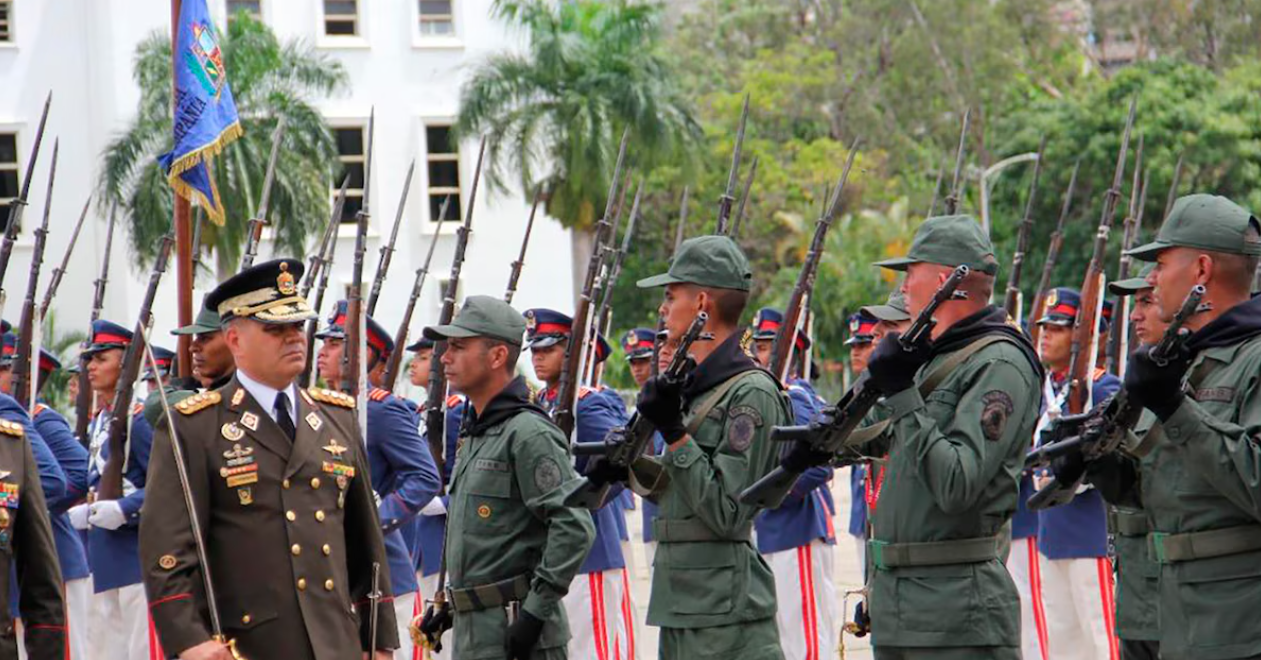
x: 328, y: 585
x: 319, y: 515
x: 315, y: 482
x: 327, y: 550
x: 301, y: 584
x: 285, y: 484
x: 291, y: 516
x: 296, y: 549
x: 246, y: 619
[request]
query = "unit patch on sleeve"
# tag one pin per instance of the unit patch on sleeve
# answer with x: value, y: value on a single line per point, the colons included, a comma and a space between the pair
x: 742, y: 425
x: 996, y: 408
x: 546, y: 475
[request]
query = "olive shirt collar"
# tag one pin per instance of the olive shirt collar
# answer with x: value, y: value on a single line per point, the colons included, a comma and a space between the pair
x: 511, y: 400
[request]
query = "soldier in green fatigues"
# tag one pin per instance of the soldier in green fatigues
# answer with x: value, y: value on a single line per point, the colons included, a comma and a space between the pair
x: 1200, y: 483
x: 940, y: 532
x: 713, y: 595
x: 512, y: 546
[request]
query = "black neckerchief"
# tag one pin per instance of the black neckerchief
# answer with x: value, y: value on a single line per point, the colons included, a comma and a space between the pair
x: 728, y: 360
x: 989, y: 321
x: 511, y: 400
x: 1238, y: 324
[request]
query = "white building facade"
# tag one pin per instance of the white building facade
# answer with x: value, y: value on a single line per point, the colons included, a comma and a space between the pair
x: 405, y: 58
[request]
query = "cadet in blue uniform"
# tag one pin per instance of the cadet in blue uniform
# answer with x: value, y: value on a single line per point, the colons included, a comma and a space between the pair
x: 403, y: 472
x: 797, y: 537
x: 861, y: 343
x: 594, y: 599
x: 1076, y: 574
x: 120, y: 626
x: 638, y: 345
x: 53, y: 434
x: 165, y: 358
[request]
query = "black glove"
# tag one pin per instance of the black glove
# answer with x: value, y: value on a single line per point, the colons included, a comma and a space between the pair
x: 1069, y: 468
x: 522, y: 635
x: 804, y: 456
x: 1154, y: 386
x: 661, y: 402
x: 600, y: 472
x: 892, y: 368
x: 436, y: 621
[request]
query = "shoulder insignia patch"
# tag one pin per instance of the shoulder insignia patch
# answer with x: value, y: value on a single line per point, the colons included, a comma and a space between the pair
x: 996, y: 408
x: 39, y: 408
x: 137, y: 409
x: 196, y: 402
x: 546, y: 474
x: 378, y: 394
x: 332, y: 397
x: 11, y: 428
x: 1098, y: 373
x: 742, y: 425
x: 584, y: 391
x: 454, y: 400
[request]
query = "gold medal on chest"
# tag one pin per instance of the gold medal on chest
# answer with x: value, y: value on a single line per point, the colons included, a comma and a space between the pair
x: 334, y: 448
x: 245, y: 495
x: 232, y: 432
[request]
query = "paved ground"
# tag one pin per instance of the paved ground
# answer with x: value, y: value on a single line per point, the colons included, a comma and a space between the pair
x: 847, y: 574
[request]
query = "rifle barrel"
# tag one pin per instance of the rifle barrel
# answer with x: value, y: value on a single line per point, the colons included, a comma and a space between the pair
x: 956, y: 185
x: 387, y: 251
x: 515, y: 274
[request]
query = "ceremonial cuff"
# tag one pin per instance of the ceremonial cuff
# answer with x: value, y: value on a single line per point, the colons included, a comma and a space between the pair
x: 683, y: 457
x: 903, y: 403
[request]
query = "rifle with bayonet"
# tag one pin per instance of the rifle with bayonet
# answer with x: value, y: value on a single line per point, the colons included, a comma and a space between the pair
x: 744, y: 199
x: 932, y: 203
x: 830, y: 433
x: 111, y: 484
x: 436, y: 396
x: 254, y: 231
x: 1118, y: 339
x: 393, y: 365
x: 1103, y: 430
x: 22, y: 385
x: 352, y: 349
x: 1052, y: 256
x: 785, y: 337
x: 83, y: 407
x: 321, y: 263
x: 387, y: 251
x: 733, y: 176
x: 1012, y: 299
x: 1172, y: 195
x: 956, y: 185
x: 18, y: 206
x: 601, y: 314
x: 567, y: 390
x: 615, y: 270
x: 659, y: 337
x: 1081, y: 361
x: 625, y: 444
x: 515, y: 275
x: 54, y: 281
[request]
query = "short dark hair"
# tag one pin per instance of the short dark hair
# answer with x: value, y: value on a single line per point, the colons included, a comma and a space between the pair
x: 1236, y: 270
x: 514, y: 352
x: 729, y: 304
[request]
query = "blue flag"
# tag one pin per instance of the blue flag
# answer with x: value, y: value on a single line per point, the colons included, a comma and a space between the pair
x: 205, y: 114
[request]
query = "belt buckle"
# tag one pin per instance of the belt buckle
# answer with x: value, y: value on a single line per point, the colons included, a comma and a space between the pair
x: 1158, y: 545
x: 877, y: 553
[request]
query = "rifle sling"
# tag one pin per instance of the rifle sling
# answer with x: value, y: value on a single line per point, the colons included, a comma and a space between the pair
x: 937, y: 377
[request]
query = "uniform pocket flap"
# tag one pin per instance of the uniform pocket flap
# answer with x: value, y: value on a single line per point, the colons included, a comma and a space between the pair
x: 488, y: 483
x: 699, y: 555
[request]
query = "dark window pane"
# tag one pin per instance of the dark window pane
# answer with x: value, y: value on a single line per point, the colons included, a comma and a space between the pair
x: 8, y: 148
x: 8, y: 183
x: 435, y: 206
x: 4, y: 216
x: 332, y: 7
x: 349, y: 141
x: 338, y: 28
x: 438, y: 140
x: 352, y: 206
x: 355, y: 170
x: 444, y: 174
x: 435, y: 7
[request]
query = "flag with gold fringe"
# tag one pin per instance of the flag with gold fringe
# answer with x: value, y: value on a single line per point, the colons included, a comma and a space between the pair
x: 205, y: 113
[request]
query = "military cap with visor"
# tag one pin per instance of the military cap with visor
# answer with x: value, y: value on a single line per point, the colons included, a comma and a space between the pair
x: 1205, y: 222
x: 482, y: 316
x: 1132, y: 285
x: 949, y: 240
x: 422, y: 344
x: 766, y: 324
x: 165, y: 358
x: 548, y: 327
x: 862, y: 328
x: 708, y: 261
x: 638, y: 343
x: 267, y: 293
x: 47, y: 361
x: 893, y: 311
x: 379, y: 340
x: 207, y: 321
x: 106, y: 335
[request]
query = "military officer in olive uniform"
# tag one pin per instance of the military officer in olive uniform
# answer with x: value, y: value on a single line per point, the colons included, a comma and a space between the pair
x: 1199, y: 482
x: 512, y: 547
x: 281, y: 485
x: 212, y: 361
x: 940, y: 529
x: 713, y: 594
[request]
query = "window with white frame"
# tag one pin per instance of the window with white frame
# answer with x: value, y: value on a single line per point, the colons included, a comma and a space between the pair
x: 252, y: 7
x: 341, y: 18
x: 6, y: 21
x: 437, y: 18
x: 442, y: 157
x: 350, y: 146
x: 8, y: 174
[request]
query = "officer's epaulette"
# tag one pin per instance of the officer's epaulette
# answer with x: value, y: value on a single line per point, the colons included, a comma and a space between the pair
x: 584, y: 391
x: 1099, y: 373
x: 137, y: 409
x: 39, y: 408
x: 11, y: 428
x: 332, y: 396
x: 199, y: 401
x: 378, y: 394
x: 454, y: 400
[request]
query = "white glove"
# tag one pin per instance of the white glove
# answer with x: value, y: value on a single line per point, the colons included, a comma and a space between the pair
x: 434, y: 508
x: 79, y: 516
x: 107, y: 514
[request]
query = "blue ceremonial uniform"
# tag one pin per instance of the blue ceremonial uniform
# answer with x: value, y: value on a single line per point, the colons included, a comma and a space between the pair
x: 113, y: 555
x: 1079, y: 528
x: 73, y: 459
x: 806, y: 513
x: 430, y: 531
x: 52, y: 479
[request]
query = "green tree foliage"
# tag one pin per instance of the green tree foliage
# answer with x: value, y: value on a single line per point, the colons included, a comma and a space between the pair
x: 269, y: 80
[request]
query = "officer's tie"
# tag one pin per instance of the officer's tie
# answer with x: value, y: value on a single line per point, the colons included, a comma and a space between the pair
x: 283, y: 418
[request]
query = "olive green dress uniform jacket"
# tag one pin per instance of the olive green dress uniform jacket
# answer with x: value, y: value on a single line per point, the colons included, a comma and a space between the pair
x: 507, y: 519
x: 953, y: 471
x: 290, y: 528
x: 721, y: 580
x: 1138, y: 574
x: 26, y: 543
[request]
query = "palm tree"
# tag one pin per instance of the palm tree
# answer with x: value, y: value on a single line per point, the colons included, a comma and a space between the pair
x: 554, y: 115
x: 269, y: 80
